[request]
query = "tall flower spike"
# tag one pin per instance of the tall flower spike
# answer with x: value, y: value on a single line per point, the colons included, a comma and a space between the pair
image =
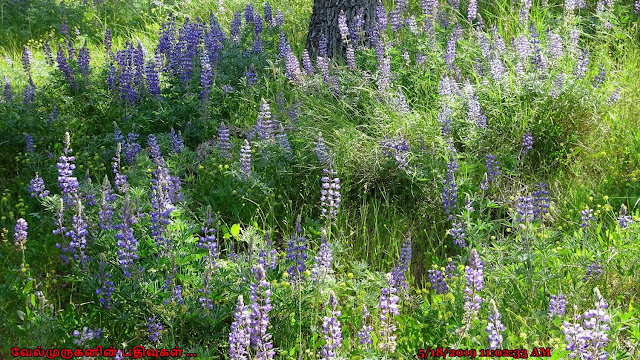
x: 330, y: 194
x: 324, y: 259
x: 240, y: 336
x: 264, y: 124
x: 20, y: 233
x: 297, y: 251
x: 624, y: 220
x: 472, y: 301
x: 68, y: 183
x: 494, y: 327
x: 365, y: 332
x: 245, y: 160
x: 332, y: 330
x: 260, y: 338
x: 404, y: 261
x: 388, y: 305
x: 224, y: 142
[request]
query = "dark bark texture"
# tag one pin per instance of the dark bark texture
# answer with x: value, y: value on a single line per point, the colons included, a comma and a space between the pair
x: 324, y: 20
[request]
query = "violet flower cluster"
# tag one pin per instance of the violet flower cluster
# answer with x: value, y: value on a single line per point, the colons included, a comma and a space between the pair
x: 330, y: 194
x: 398, y: 149
x: 404, y: 261
x: 557, y: 305
x: 297, y: 252
x: 588, y: 339
x: 494, y: 327
x: 365, y: 332
x: 36, y: 187
x: 260, y: 338
x: 239, y: 337
x: 388, y: 304
x: 68, y: 183
x: 331, y: 330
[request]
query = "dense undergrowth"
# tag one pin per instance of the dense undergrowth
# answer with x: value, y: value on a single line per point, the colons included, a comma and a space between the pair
x: 463, y: 178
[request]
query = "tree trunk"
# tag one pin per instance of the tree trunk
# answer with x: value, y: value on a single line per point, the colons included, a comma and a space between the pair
x: 324, y: 21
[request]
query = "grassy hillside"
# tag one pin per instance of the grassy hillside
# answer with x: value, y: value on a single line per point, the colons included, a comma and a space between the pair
x: 466, y: 176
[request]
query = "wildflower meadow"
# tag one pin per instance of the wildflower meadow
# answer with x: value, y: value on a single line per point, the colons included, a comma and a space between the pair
x: 187, y: 178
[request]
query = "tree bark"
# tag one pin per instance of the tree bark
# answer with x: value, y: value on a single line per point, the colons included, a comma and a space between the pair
x: 324, y: 21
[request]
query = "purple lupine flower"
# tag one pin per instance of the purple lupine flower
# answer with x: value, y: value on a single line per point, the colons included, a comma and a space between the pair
x: 86, y: 335
x: 458, y: 234
x: 557, y: 86
x: 593, y: 271
x: 46, y: 48
x: 64, y: 67
x: 398, y: 148
x: 321, y: 151
x: 330, y: 194
x: 306, y: 63
x: 105, y: 214
x: 292, y: 66
x: 351, y: 58
x: 472, y: 301
x: 175, y: 141
x: 420, y: 58
x: 444, y: 118
x: 297, y: 251
x: 208, y: 242
x: 77, y: 235
x: 472, y: 10
x: 170, y: 284
x: 36, y: 187
x: 436, y: 278
x: 615, y: 97
x: 20, y: 233
x: 154, y: 327
x: 587, y: 340
x: 245, y: 160
x: 365, y: 332
x: 53, y: 116
x: 224, y: 143
x: 132, y: 148
x: 525, y: 209
x: 450, y: 189
x: 264, y: 124
x: 385, y: 73
x: 404, y: 261
x: 239, y: 337
x: 7, y: 93
x: 29, y: 143
x: 450, y: 54
x: 388, y: 305
x: 235, y: 26
x: 108, y: 287
x: 268, y: 14
x: 493, y: 169
x: 527, y: 142
x: 475, y: 112
x: 557, y: 305
x: 586, y: 216
x: 342, y: 27
x: 29, y: 93
x: 260, y: 338
x: 600, y: 78
x: 252, y: 77
x: 161, y: 199
x: 624, y: 220
x: 107, y: 40
x: 279, y: 18
x: 381, y: 17
x: 126, y: 242
x: 494, y: 327
x: 540, y: 201
x: 67, y: 182
x: 153, y: 81
x: 395, y: 20
x: 268, y: 256
x: 323, y: 260
x: 401, y: 102
x: 450, y: 270
x: 331, y: 330
x: 27, y: 58
x: 206, y: 80
x: 83, y: 60
x: 554, y: 43
x: 582, y: 65
x: 122, y: 186
x: 60, y: 228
